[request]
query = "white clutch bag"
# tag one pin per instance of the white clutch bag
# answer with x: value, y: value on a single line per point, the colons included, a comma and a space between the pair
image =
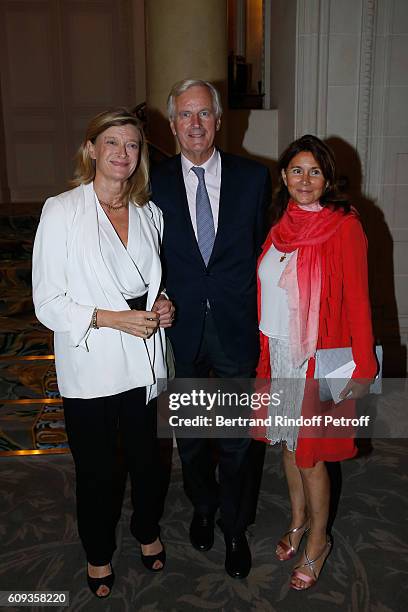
x: 334, y: 368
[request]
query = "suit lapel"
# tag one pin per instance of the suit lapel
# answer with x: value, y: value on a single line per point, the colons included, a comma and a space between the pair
x: 226, y: 204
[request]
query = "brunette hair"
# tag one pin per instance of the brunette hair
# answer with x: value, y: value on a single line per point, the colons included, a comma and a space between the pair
x: 325, y: 158
x: 138, y: 190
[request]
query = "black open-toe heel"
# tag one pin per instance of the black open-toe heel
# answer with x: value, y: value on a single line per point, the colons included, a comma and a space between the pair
x: 95, y: 583
x: 149, y: 560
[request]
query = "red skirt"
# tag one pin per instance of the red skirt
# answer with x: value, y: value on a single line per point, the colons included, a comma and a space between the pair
x: 325, y: 446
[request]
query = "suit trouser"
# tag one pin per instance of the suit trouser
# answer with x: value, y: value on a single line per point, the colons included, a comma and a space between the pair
x: 92, y: 427
x: 200, y: 456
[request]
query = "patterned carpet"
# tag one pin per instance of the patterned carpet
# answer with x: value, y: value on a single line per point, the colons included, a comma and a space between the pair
x: 30, y: 408
x: 366, y: 571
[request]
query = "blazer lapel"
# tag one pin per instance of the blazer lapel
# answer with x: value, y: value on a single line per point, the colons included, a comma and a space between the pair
x: 184, y: 209
x: 147, y: 220
x: 228, y: 195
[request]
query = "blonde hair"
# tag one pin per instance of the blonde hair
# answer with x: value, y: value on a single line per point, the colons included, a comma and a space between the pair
x: 138, y: 190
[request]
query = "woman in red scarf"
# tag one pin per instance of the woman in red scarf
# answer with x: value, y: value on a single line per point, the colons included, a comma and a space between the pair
x: 312, y: 293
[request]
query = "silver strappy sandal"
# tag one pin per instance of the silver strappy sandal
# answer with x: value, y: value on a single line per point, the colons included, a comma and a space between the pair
x: 310, y: 580
x: 290, y: 550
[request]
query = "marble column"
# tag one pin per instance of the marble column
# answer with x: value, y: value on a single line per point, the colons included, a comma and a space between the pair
x: 184, y: 39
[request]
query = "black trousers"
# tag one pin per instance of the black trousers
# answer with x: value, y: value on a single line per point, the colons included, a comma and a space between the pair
x: 234, y: 494
x: 93, y: 426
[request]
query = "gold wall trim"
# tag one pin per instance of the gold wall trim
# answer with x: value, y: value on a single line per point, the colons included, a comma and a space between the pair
x: 47, y: 451
x: 26, y: 357
x: 46, y: 400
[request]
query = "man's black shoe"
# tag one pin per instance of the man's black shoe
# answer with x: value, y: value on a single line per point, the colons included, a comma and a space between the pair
x: 202, y: 532
x: 238, y: 560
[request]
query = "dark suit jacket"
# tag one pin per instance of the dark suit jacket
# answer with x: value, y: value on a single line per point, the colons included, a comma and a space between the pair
x: 229, y: 281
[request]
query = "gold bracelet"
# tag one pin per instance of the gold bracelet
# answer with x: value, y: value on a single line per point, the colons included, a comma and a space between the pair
x: 94, y: 324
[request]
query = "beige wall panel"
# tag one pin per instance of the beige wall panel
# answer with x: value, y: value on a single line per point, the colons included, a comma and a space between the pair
x: 30, y: 52
x: 254, y: 133
x: 45, y: 119
x: 399, y: 61
x: 61, y: 62
x: 401, y: 260
x: 344, y: 58
x: 97, y: 59
x: 401, y: 164
x: 396, y: 125
x: 345, y: 17
x: 401, y: 208
x: 401, y: 294
x: 139, y: 50
x: 89, y: 58
x: 342, y: 103
x: 352, y: 85
x: 96, y: 53
x: 392, y: 149
x: 396, y: 117
x: 400, y: 16
x: 35, y: 164
x: 31, y: 103
x: 388, y: 160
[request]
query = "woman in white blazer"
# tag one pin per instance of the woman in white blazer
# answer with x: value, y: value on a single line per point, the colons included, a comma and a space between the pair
x: 97, y: 285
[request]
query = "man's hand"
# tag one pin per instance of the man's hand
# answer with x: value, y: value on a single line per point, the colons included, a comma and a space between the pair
x: 165, y: 309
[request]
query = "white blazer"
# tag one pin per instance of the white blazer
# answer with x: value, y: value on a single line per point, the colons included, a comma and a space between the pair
x: 70, y: 279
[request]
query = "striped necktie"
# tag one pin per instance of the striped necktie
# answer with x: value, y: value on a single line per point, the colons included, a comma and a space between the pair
x: 205, y: 221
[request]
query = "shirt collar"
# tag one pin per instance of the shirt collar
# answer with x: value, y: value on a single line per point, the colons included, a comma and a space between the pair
x: 211, y: 166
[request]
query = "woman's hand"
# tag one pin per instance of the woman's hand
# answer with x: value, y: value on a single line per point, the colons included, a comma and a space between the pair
x: 355, y: 389
x: 165, y: 309
x: 140, y: 323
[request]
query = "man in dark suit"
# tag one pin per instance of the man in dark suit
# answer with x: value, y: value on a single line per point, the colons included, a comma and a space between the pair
x: 214, y: 208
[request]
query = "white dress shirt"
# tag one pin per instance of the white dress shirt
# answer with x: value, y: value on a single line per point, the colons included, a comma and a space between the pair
x: 212, y: 177
x: 72, y: 274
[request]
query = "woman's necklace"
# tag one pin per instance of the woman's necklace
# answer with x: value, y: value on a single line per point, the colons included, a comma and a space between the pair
x: 283, y: 257
x: 111, y: 207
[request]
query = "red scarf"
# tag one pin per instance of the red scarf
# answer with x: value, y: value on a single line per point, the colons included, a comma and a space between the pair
x: 305, y: 231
